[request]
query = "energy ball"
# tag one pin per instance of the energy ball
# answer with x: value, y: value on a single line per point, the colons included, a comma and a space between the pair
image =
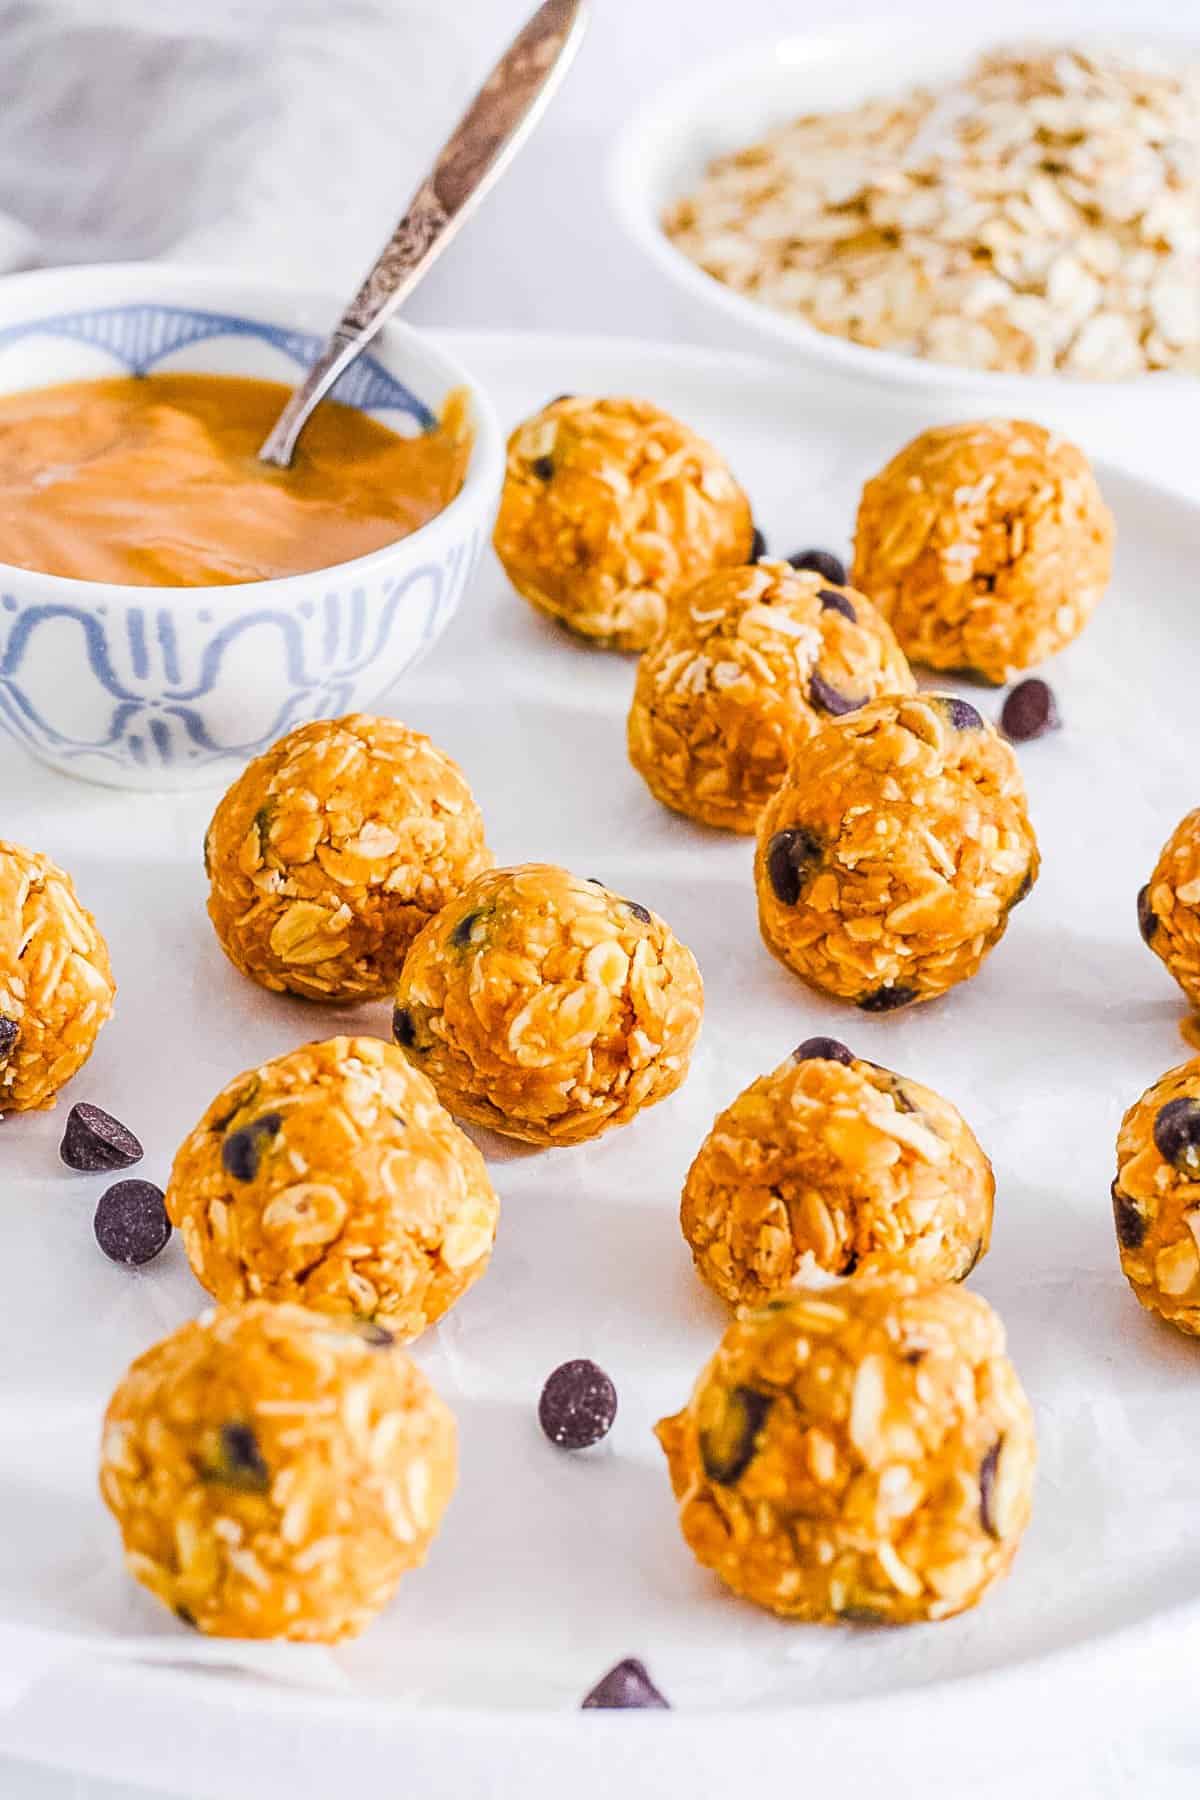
x: 826, y: 1166
x: 861, y: 1453
x: 56, y: 984
x: 987, y: 546
x: 1169, y: 906
x: 547, y: 1007
x: 330, y: 852
x: 610, y: 507
x: 889, y: 860
x: 1156, y: 1197
x: 752, y: 662
x: 274, y: 1473
x: 334, y: 1178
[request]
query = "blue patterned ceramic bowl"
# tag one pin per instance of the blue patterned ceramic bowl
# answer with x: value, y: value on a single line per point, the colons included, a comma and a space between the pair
x: 158, y: 688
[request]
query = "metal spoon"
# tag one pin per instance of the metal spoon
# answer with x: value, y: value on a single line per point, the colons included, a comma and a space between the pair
x: 487, y: 137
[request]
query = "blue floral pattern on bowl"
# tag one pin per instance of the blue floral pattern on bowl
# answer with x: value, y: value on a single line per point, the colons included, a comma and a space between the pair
x: 145, y: 690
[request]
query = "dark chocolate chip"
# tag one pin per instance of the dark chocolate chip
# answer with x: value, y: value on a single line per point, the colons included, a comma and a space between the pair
x: 625, y: 1687
x: 828, y: 699
x: 886, y: 999
x: 822, y: 1049
x: 961, y: 714
x: 543, y: 467
x: 849, y: 1262
x: 578, y: 1405
x: 1129, y: 1219
x: 1029, y: 711
x: 403, y: 1029
x: 758, y: 545
x: 94, y: 1140
x: 832, y: 601
x: 899, y: 1094
x: 1147, y: 917
x: 791, y: 856
x: 131, y: 1222
x: 727, y: 1448
x: 862, y: 1615
x: 639, y: 911
x: 377, y: 1336
x: 1177, y: 1134
x: 821, y: 562
x: 242, y: 1151
x: 987, y: 1489
x: 239, y: 1461
x: 460, y: 937
x: 186, y: 1617
x: 9, y: 1032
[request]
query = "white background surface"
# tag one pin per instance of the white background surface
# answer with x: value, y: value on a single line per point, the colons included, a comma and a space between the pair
x: 546, y: 256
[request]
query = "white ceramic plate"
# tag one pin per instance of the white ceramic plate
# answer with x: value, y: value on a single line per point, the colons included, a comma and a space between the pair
x: 550, y: 1567
x: 731, y: 101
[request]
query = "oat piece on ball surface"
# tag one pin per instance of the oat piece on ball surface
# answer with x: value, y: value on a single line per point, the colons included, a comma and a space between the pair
x: 332, y: 849
x: 986, y: 546
x: 274, y: 1472
x: 1169, y: 906
x: 1156, y: 1197
x: 56, y: 984
x: 752, y: 662
x: 860, y: 1453
x: 889, y: 860
x: 610, y: 507
x: 829, y: 1165
x: 333, y: 1177
x: 548, y: 1007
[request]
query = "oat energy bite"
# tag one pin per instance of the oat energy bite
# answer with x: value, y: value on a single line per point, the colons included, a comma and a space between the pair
x: 986, y: 546
x: 332, y: 849
x: 1169, y: 906
x: 610, y: 507
x: 547, y: 1007
x: 861, y: 1453
x: 831, y: 1164
x: 889, y: 860
x: 333, y: 1177
x: 752, y: 661
x: 274, y: 1473
x: 56, y: 984
x: 1156, y: 1197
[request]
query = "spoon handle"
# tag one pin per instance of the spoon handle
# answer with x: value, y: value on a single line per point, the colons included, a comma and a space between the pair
x: 486, y: 138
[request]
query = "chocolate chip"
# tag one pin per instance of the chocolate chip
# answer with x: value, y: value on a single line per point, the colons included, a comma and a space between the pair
x: 828, y: 699
x: 1029, y: 711
x: 460, y: 937
x: 1147, y: 917
x: 987, y: 1489
x: 639, y: 911
x: 758, y: 545
x: 1129, y: 1219
x: 727, y: 1448
x: 849, y: 1263
x: 961, y: 714
x: 186, y: 1617
x: 886, y: 999
x: 822, y: 1049
x: 237, y: 1460
x: 377, y: 1336
x: 1177, y: 1134
x: 9, y: 1032
x: 242, y: 1151
x: 821, y: 562
x: 578, y: 1405
x: 832, y: 601
x: 131, y: 1222
x: 626, y: 1686
x: 543, y: 467
x: 93, y: 1140
x: 791, y: 856
x: 403, y: 1029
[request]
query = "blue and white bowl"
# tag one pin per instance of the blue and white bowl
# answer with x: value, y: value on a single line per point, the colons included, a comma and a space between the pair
x: 158, y: 688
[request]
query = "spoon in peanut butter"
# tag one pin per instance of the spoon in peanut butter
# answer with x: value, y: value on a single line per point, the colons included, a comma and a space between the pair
x: 483, y: 143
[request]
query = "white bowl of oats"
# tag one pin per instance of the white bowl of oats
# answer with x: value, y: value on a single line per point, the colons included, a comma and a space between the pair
x: 1018, y: 223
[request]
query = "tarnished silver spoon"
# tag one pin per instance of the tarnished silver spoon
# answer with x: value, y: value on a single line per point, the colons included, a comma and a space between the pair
x: 487, y: 137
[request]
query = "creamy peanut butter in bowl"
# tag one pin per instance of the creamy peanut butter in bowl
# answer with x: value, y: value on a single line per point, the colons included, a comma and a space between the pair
x: 168, y: 604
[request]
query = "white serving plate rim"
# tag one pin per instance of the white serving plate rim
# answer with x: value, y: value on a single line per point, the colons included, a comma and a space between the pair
x: 678, y: 107
x: 203, y: 284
